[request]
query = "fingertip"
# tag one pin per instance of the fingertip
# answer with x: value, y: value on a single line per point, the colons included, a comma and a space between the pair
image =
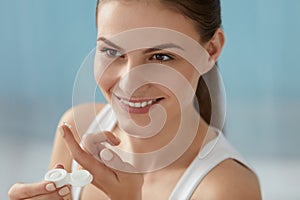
x: 50, y: 187
x: 67, y: 125
x: 64, y: 128
x: 59, y: 166
x: 64, y: 191
x: 114, y: 161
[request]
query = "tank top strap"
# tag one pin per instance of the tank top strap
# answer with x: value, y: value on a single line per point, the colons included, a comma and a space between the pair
x: 212, y: 154
x: 105, y: 120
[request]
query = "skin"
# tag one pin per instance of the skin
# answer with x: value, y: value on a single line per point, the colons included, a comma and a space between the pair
x: 229, y: 180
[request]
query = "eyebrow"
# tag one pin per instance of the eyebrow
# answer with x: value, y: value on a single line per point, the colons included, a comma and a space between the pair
x: 154, y: 48
x: 163, y: 46
x: 110, y: 43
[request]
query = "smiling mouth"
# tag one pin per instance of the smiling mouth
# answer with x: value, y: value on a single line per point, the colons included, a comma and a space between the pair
x: 142, y: 103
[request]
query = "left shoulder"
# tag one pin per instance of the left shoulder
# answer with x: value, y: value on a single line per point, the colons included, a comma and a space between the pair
x: 229, y: 180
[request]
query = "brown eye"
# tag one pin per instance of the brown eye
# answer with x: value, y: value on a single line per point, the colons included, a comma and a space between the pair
x: 161, y: 57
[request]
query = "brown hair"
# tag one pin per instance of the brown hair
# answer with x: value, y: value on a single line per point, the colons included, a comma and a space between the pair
x: 206, y: 15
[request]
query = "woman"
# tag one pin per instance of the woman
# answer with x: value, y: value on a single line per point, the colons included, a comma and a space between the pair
x: 120, y: 62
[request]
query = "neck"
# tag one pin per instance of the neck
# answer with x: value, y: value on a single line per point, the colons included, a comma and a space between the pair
x: 189, y: 140
x: 162, y: 138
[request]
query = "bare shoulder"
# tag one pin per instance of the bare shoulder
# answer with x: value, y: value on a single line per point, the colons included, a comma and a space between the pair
x: 229, y: 180
x: 79, y: 117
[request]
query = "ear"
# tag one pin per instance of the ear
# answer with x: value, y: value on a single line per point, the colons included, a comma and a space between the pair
x: 215, y: 45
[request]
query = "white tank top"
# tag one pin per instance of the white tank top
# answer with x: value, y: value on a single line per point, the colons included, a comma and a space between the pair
x: 213, y: 153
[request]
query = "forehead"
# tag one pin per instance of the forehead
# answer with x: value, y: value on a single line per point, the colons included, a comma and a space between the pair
x: 118, y: 16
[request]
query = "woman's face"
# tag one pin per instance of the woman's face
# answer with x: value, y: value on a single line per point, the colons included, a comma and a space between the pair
x: 115, y: 17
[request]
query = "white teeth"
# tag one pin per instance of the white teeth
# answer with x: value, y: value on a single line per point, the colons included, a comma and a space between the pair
x: 144, y: 104
x: 137, y: 104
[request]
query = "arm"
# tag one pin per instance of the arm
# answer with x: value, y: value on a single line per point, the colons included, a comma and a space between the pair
x: 60, y: 158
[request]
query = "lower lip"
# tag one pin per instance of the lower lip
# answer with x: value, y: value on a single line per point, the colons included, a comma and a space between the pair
x: 133, y: 110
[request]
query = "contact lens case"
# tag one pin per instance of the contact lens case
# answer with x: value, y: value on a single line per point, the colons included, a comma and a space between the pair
x: 77, y: 178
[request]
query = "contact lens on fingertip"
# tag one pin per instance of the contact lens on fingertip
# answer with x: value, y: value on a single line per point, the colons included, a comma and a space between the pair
x: 68, y: 125
x: 77, y: 178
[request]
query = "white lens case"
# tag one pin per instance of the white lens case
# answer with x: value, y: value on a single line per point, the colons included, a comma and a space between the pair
x: 77, y: 178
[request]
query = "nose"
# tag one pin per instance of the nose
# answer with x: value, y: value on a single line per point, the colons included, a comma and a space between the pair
x: 128, y: 79
x: 132, y: 60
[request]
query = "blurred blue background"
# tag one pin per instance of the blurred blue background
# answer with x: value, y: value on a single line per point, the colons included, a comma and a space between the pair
x: 43, y: 43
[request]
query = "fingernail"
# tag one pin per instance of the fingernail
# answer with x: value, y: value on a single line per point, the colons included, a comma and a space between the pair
x: 105, y: 154
x: 114, y: 140
x: 117, y: 140
x: 50, y: 187
x: 61, y: 166
x: 111, y: 138
x: 68, y: 125
x: 64, y: 191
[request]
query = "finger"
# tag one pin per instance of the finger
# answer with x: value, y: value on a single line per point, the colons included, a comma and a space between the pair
x: 113, y: 160
x: 103, y: 136
x: 24, y: 190
x: 52, y: 196
x: 83, y: 158
x: 76, y: 151
x: 59, y: 166
x: 62, y: 193
x: 112, y: 138
x: 94, y: 142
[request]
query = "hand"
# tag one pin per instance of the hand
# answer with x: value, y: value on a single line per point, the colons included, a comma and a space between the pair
x: 116, y: 184
x: 38, y: 191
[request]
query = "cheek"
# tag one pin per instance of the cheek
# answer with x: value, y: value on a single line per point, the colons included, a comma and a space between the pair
x: 191, y: 75
x: 187, y: 71
x: 193, y: 79
x: 105, y: 80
